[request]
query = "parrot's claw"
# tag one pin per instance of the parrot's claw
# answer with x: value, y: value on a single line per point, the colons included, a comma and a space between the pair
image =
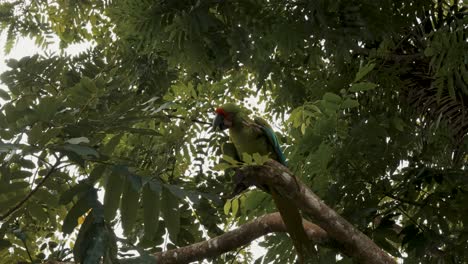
x: 241, y: 183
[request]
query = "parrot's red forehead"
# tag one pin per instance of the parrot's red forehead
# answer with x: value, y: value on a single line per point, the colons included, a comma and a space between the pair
x: 220, y: 111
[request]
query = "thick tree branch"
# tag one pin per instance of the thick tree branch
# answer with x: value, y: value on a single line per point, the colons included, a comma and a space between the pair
x: 236, y: 238
x: 350, y: 240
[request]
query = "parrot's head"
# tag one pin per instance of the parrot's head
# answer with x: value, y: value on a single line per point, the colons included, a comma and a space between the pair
x: 225, y: 116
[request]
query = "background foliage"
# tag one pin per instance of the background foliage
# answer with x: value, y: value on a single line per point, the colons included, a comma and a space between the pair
x: 371, y: 96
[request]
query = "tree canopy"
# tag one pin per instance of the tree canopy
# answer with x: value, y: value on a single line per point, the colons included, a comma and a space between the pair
x: 368, y: 97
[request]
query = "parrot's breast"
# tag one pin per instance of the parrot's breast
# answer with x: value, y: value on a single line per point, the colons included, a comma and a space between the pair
x: 247, y: 140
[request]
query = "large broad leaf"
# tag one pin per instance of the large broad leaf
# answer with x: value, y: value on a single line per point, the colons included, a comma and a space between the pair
x: 78, y: 140
x: 36, y: 211
x: 4, y: 95
x: 129, y: 202
x: 13, y: 187
x: 151, y: 207
x: 4, y: 244
x: 92, y: 241
x: 87, y: 201
x: 109, y: 147
x: 97, y: 173
x: 83, y: 151
x: 76, y: 190
x: 114, y: 185
x: 170, y: 211
x: 362, y: 87
x: 364, y: 71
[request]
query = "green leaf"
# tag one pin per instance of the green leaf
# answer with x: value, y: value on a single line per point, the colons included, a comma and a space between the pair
x: 88, y: 84
x: 37, y: 212
x: 13, y: 187
x: 47, y: 108
x: 171, y: 213
x: 429, y: 52
x: 151, y: 207
x: 79, y: 209
x: 398, y: 123
x: 253, y: 200
x: 97, y: 173
x: 4, y: 244
x: 235, y: 207
x: 247, y: 158
x: 331, y: 97
x: 227, y: 207
x: 76, y: 190
x: 110, y: 146
x: 81, y: 150
x: 129, y: 203
x: 230, y: 160
x: 6, y: 147
x: 27, y: 164
x: 78, y: 140
x: 364, y: 71
x: 362, y: 87
x: 21, y: 174
x: 259, y: 159
x: 450, y: 86
x: 113, y: 188
x: 349, y: 103
x: 221, y: 166
x: 83, y: 240
x: 4, y: 95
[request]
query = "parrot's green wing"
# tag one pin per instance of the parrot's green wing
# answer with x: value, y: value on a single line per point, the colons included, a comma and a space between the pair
x: 270, y: 134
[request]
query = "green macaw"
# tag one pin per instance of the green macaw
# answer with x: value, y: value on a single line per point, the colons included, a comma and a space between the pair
x: 256, y: 136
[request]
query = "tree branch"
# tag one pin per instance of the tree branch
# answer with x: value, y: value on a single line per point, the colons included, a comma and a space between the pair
x: 391, y: 56
x: 350, y: 240
x: 332, y: 230
x: 30, y: 194
x: 231, y: 240
x: 194, y: 120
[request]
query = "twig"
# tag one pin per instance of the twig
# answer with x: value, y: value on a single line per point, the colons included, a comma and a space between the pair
x: 30, y: 194
x: 183, y: 118
x: 27, y: 250
x: 405, y: 200
x: 237, y: 253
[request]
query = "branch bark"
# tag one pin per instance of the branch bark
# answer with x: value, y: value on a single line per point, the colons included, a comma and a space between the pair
x: 350, y: 240
x: 236, y: 238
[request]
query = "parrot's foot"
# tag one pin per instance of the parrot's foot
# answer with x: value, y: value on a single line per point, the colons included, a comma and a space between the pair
x: 242, y: 183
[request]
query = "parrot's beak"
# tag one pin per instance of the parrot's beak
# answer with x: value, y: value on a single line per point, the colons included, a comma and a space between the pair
x: 218, y: 123
x: 221, y: 123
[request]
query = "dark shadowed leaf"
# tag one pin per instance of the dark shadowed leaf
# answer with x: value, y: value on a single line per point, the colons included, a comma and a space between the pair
x: 113, y: 191
x: 151, y: 207
x: 171, y: 214
x: 129, y: 203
